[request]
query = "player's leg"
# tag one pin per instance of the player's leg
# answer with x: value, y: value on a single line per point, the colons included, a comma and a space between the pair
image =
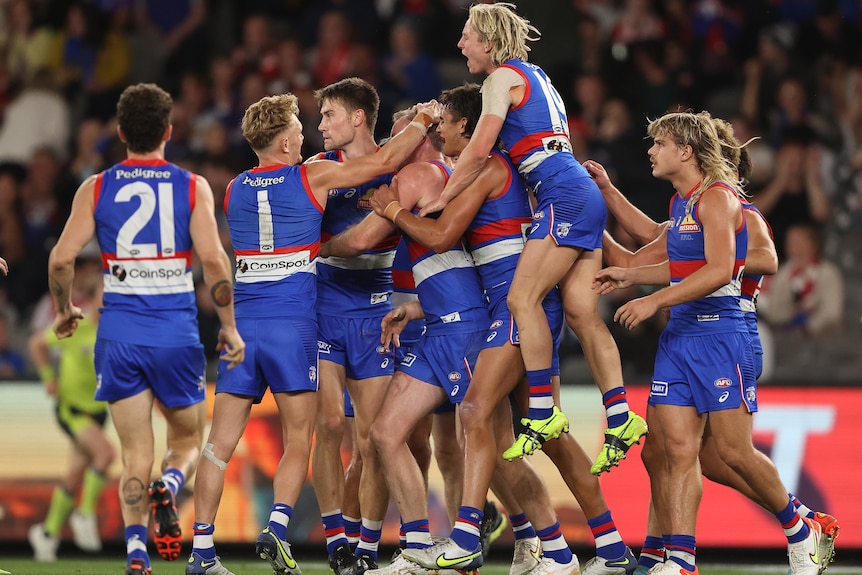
x: 407, y: 403
x: 230, y: 417
x: 449, y: 455
x: 368, y: 395
x: 658, y: 523
x: 625, y: 428
x: 132, y: 420
x: 297, y: 411
x: 542, y: 265
x: 681, y: 430
x: 350, y: 510
x: 731, y: 431
x: 327, y: 471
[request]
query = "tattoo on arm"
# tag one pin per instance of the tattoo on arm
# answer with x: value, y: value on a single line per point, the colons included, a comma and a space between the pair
x: 222, y: 293
x: 55, y: 287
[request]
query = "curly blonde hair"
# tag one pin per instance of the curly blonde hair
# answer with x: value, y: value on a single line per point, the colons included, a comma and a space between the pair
x: 503, y: 29
x: 698, y: 130
x: 264, y: 120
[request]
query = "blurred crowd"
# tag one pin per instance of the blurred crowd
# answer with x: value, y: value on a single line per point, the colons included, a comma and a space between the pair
x: 788, y: 72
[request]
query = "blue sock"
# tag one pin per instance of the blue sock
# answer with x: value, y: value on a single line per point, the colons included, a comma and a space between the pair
x: 333, y: 528
x: 609, y: 544
x: 652, y: 552
x: 369, y: 538
x: 203, y: 543
x: 616, y: 406
x: 352, y: 530
x: 417, y: 534
x: 681, y: 551
x: 521, y: 527
x: 174, y: 479
x: 541, y: 404
x: 554, y: 545
x: 466, y: 531
x: 136, y: 543
x: 279, y: 517
x: 795, y: 529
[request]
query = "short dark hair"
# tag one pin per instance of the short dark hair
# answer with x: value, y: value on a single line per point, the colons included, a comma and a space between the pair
x: 354, y: 94
x: 143, y: 114
x: 465, y: 101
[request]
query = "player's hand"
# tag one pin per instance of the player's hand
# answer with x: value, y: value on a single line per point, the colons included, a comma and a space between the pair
x: 432, y: 108
x: 65, y: 323
x: 383, y: 196
x: 599, y: 175
x: 435, y: 206
x: 4, y: 267
x: 231, y: 346
x: 631, y: 314
x: 611, y: 278
x: 391, y: 326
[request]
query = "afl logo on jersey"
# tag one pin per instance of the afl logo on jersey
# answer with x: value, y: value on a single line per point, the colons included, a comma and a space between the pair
x: 722, y: 383
x: 496, y: 324
x: 454, y: 376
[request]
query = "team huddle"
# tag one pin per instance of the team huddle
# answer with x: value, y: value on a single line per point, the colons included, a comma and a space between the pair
x: 418, y: 289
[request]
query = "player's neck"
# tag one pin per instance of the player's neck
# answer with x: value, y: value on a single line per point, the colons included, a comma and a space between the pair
x: 146, y: 156
x: 362, y: 145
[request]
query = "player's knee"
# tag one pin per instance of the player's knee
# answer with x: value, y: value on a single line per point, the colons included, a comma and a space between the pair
x: 329, y: 427
x: 208, y: 454
x: 473, y: 415
x: 651, y: 454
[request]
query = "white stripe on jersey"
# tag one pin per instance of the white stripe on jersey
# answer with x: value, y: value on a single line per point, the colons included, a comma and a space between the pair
x: 148, y: 277
x: 497, y: 251
x: 438, y: 263
x: 362, y: 261
x: 270, y: 268
x: 747, y: 305
x: 734, y: 288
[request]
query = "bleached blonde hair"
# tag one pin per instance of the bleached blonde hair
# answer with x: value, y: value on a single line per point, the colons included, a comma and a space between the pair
x: 503, y: 29
x: 697, y: 130
x: 264, y: 120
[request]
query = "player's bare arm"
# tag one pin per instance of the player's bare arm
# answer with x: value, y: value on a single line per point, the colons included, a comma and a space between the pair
x: 79, y: 229
x: 217, y: 270
x: 443, y: 233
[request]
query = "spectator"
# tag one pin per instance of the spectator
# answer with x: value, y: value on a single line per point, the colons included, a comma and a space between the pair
x: 795, y: 194
x: 332, y: 59
x: 37, y: 117
x: 806, y: 296
x: 258, y: 50
x: 177, y: 32
x: 26, y: 44
x: 91, y: 60
x: 409, y: 74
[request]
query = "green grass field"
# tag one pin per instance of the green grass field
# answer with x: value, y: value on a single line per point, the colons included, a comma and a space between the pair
x: 102, y: 566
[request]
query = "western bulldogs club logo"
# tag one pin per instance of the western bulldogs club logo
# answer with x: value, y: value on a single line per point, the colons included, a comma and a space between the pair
x: 563, y: 229
x: 312, y: 373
